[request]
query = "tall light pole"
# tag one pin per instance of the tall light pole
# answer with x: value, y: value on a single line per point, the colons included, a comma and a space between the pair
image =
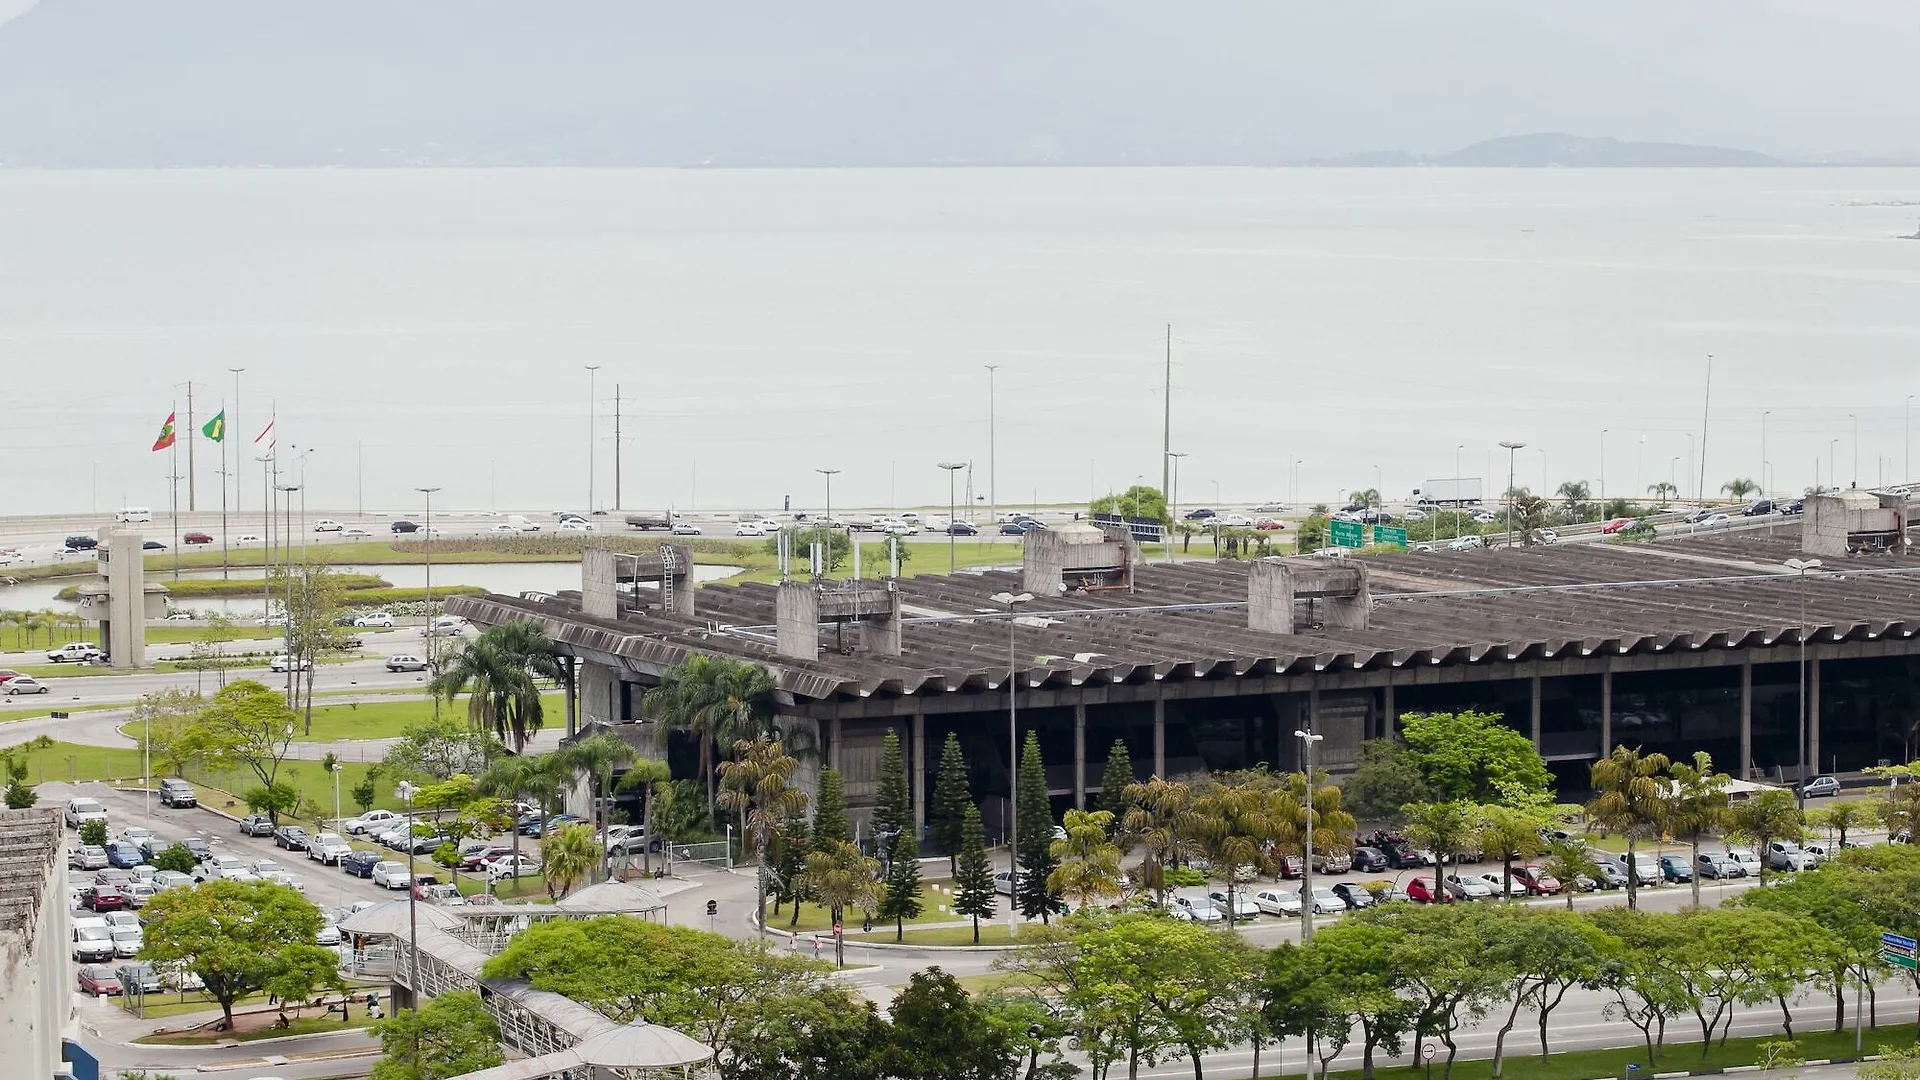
x: 1764, y: 413
x: 993, y: 453
x: 336, y: 768
x: 406, y: 791
x: 1307, y: 739
x: 1697, y: 496
x: 826, y: 536
x: 286, y: 561
x: 952, y: 522
x: 1013, y: 742
x: 234, y: 422
x: 1513, y: 503
x: 592, y: 369
x: 1801, y: 566
x: 1602, y: 493
x: 1457, y: 493
x: 432, y: 665
x: 1173, y: 503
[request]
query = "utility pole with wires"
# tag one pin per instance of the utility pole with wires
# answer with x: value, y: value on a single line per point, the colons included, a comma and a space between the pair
x: 619, y: 442
x: 1166, y: 426
x: 1700, y: 485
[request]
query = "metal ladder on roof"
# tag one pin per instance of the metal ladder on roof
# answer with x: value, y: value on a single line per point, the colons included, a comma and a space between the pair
x: 667, y: 569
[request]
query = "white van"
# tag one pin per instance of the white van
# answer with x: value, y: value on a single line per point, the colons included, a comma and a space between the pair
x: 133, y: 515
x: 522, y: 523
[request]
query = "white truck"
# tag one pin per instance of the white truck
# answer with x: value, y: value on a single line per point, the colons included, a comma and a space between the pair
x: 647, y: 521
x: 1456, y: 491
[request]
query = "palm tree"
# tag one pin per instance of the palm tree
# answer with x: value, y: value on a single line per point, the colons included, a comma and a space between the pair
x: 1663, y: 491
x: 1739, y: 487
x: 1631, y: 801
x: 1365, y: 496
x: 1510, y: 832
x: 1087, y: 863
x: 839, y: 877
x: 517, y: 780
x: 1159, y: 821
x: 1444, y: 828
x: 1768, y: 816
x: 1696, y: 805
x: 758, y: 783
x: 497, y: 670
x: 1844, y: 817
x: 1569, y: 861
x: 717, y: 700
x: 593, y: 759
x: 568, y: 856
x: 1332, y: 826
x: 650, y: 778
x: 1575, y: 492
x: 1235, y: 828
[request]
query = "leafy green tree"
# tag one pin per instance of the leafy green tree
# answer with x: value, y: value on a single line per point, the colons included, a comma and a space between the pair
x: 1137, y: 501
x: 367, y: 790
x: 1087, y: 866
x: 829, y: 1034
x: 1768, y: 816
x: 1115, y: 779
x: 238, y: 937
x: 498, y: 670
x: 941, y: 1033
x: 1839, y: 900
x: 1473, y: 756
x: 1544, y: 954
x: 1359, y: 972
x: 593, y: 759
x: 1447, y: 974
x: 165, y: 723
x: 1630, y: 799
x: 1569, y: 861
x: 1845, y: 817
x: 1235, y: 826
x: 789, y: 863
x: 839, y: 877
x: 1662, y: 491
x: 1641, y: 975
x: 951, y: 797
x: 272, y: 800
x: 93, y: 833
x: 568, y: 856
x: 1034, y: 839
x: 1297, y: 1003
x: 830, y: 811
x: 1510, y: 832
x: 438, y: 747
x: 973, y: 894
x: 717, y: 700
x: 452, y: 1035
x: 839, y: 546
x: 1445, y: 828
x: 651, y: 778
x: 1386, y: 777
x: 1365, y: 497
x: 245, y: 725
x: 176, y: 858
x: 900, y: 895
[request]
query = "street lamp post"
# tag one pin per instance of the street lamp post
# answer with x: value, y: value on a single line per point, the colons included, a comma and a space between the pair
x: 1013, y: 742
x: 826, y: 535
x: 432, y: 667
x: 1173, y: 503
x: 592, y: 369
x: 1906, y: 435
x: 286, y: 560
x: 1800, y: 567
x: 1602, y: 493
x: 993, y: 452
x: 1457, y: 493
x: 405, y: 792
x: 1513, y: 502
x: 336, y: 768
x: 951, y: 467
x: 1764, y: 413
x: 1307, y: 739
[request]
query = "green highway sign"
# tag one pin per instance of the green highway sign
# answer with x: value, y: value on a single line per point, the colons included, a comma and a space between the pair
x: 1389, y: 534
x: 1346, y: 533
x: 1897, y: 949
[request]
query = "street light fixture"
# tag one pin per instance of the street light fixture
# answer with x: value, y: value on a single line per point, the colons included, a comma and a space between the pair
x: 1513, y: 502
x: 592, y: 369
x: 1173, y: 503
x: 1307, y: 739
x: 951, y: 467
x: 826, y: 535
x: 405, y: 792
x: 432, y: 667
x: 1800, y: 567
x: 1013, y: 742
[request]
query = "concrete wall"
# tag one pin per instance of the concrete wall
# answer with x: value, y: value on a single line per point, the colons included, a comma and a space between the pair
x: 599, y: 694
x: 599, y: 584
x: 124, y: 623
x: 36, y: 970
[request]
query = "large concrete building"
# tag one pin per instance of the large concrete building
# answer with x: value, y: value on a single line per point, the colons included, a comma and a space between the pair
x: 1678, y: 646
x: 36, y: 976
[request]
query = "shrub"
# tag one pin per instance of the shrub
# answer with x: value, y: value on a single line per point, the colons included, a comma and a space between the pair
x: 93, y: 832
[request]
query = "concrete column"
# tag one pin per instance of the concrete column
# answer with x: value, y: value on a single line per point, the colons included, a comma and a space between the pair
x: 1080, y: 757
x: 1813, y: 717
x: 1746, y: 720
x: 1389, y: 715
x: 1606, y: 713
x: 1533, y: 713
x: 833, y: 743
x: 1313, y: 710
x: 1160, y: 738
x: 919, y: 785
x: 573, y: 677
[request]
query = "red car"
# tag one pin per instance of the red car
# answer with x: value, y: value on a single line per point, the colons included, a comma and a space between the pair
x: 7, y: 676
x: 100, y: 980
x: 1616, y: 525
x: 197, y: 538
x: 103, y: 898
x: 1537, y: 881
x: 1420, y: 891
x: 478, y: 860
x: 1268, y: 524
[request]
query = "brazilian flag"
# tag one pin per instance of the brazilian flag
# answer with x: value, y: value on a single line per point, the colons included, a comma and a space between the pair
x: 216, y: 428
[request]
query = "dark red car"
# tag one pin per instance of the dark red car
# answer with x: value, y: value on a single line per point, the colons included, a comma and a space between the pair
x: 1616, y: 525
x: 7, y: 676
x: 100, y: 980
x: 1420, y: 891
x: 475, y: 860
x: 1537, y: 881
x: 104, y: 898
x: 197, y: 538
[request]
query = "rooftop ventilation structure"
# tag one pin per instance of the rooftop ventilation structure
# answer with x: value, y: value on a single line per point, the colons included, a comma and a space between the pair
x: 610, y: 580
x: 1845, y: 523
x: 1337, y: 597
x: 1078, y: 558
x: 872, y: 609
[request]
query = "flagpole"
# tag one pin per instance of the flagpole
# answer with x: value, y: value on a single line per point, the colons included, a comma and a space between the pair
x: 224, y: 575
x: 192, y: 500
x: 173, y: 470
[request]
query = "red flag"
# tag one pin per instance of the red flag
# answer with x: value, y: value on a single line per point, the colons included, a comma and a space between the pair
x: 166, y: 434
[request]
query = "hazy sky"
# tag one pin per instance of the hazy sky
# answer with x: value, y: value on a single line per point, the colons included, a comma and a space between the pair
x: 107, y: 82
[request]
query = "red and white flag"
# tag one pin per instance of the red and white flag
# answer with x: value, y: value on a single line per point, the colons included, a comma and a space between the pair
x: 266, y: 436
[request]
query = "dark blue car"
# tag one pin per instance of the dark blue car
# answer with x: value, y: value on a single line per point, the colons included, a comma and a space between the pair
x: 361, y: 863
x: 123, y: 855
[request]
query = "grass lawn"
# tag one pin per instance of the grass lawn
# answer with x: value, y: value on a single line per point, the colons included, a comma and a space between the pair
x: 525, y: 890
x: 306, y: 1025
x: 990, y: 934
x: 188, y: 633
x: 378, y: 719
x: 1583, y: 1064
x: 47, y: 707
x: 993, y: 982
x: 815, y: 917
x: 70, y: 762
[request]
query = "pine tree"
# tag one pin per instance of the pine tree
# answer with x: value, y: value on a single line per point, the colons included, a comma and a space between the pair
x: 901, y: 900
x: 1034, y: 837
x: 893, y: 807
x: 951, y: 797
x: 1114, y: 781
x: 790, y: 860
x: 830, y: 812
x: 973, y: 881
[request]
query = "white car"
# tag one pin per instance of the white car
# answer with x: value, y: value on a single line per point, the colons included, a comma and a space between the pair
x: 1243, y: 907
x: 1465, y: 543
x: 178, y: 616
x: 393, y: 836
x: 327, y: 525
x: 369, y: 821
x: 506, y: 866
x: 328, y: 936
x: 576, y: 525
x: 390, y: 875
x: 1414, y: 515
x: 1275, y: 902
x: 127, y: 943
x: 76, y: 652
x: 1194, y: 908
x: 1237, y: 521
x: 26, y: 684
x: 685, y: 528
x: 285, y: 663
x: 1548, y: 536
x: 503, y: 527
x: 748, y: 528
x: 900, y: 528
x: 1325, y: 901
x: 223, y: 868
x: 354, y: 534
x: 374, y: 618
x: 406, y: 662
x: 1746, y: 858
x: 1516, y: 888
x: 1003, y: 883
x: 328, y: 849
x: 247, y: 538
x: 768, y: 525
x: 1715, y: 521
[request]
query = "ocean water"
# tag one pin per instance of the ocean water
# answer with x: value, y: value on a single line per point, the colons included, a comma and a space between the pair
x: 1331, y: 329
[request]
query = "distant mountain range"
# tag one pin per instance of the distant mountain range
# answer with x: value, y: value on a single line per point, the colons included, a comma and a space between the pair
x: 1554, y: 150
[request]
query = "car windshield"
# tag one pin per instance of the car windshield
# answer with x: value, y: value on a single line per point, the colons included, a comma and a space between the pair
x: 94, y: 933
x: 87, y: 806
